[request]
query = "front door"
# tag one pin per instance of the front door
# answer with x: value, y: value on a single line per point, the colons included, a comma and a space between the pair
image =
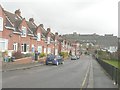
x: 25, y: 47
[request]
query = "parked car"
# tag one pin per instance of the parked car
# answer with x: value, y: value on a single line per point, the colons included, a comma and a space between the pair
x: 56, y: 60
x: 73, y: 57
x: 78, y: 57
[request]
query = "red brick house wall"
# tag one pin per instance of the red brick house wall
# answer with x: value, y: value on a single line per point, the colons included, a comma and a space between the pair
x: 30, y: 40
x: 1, y: 15
x: 27, y: 39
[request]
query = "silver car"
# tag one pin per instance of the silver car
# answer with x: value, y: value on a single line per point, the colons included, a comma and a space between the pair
x: 73, y: 57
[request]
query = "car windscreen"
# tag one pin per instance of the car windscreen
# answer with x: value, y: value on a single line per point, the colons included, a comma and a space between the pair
x: 73, y: 56
x: 50, y: 57
x: 58, y: 57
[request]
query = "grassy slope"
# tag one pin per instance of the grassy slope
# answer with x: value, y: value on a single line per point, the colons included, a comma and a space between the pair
x: 112, y: 62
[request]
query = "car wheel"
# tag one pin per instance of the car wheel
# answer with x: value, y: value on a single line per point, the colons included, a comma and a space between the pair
x: 57, y: 63
x: 46, y: 63
x: 62, y: 63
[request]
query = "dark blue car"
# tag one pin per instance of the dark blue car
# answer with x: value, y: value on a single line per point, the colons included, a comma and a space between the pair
x: 52, y: 59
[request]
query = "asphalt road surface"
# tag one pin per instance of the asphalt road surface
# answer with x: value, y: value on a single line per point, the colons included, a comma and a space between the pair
x: 72, y: 74
x: 69, y: 75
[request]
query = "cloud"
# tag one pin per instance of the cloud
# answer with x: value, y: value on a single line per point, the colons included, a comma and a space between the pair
x: 66, y: 16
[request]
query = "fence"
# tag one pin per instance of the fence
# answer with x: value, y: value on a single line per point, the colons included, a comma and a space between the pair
x: 111, y: 70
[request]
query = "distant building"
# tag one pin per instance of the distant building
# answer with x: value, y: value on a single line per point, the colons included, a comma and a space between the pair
x: 108, y: 41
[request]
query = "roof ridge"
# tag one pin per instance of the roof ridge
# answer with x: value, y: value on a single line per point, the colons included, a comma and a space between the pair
x: 9, y: 12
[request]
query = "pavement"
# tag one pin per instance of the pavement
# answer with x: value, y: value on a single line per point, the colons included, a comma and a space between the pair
x: 101, y: 79
x: 10, y: 67
x: 82, y: 73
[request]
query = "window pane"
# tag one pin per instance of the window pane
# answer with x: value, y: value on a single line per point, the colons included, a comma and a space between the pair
x: 2, y: 45
x: 40, y: 49
x: 38, y: 36
x: 24, y: 31
x: 1, y: 24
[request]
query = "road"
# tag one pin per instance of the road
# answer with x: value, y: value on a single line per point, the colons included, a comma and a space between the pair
x: 69, y: 75
x: 72, y: 74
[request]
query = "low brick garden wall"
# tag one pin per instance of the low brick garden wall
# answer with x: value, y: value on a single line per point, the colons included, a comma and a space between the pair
x: 23, y: 60
x: 42, y: 60
x: 26, y: 60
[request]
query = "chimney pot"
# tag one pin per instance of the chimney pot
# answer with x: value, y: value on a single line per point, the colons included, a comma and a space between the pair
x: 48, y: 29
x: 42, y: 25
x: 56, y: 33
x: 18, y: 12
x: 31, y: 20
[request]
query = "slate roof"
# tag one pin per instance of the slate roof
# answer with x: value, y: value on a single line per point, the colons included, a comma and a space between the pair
x: 44, y: 32
x: 11, y: 16
x: 52, y: 36
x: 60, y: 39
x: 8, y: 23
x: 31, y: 26
x: 15, y: 20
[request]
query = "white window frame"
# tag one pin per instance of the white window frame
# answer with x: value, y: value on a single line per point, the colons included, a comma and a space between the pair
x: 23, y: 49
x: 44, y: 50
x: 24, y: 34
x: 27, y: 48
x: 5, y: 41
x: 40, y: 49
x: 38, y: 36
x: 63, y: 43
x: 15, y: 46
x: 1, y: 24
x: 48, y: 50
x: 55, y: 42
x: 33, y: 48
x: 48, y: 40
x: 56, y: 51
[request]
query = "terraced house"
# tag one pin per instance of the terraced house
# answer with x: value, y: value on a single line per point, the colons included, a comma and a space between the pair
x: 16, y: 33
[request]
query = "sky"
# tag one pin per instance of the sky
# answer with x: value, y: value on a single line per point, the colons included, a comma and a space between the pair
x: 68, y: 16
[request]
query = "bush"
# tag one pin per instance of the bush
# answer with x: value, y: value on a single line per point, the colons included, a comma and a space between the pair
x: 64, y: 54
x: 85, y: 53
x: 42, y: 55
x: 4, y: 53
x: 103, y: 55
x: 17, y: 54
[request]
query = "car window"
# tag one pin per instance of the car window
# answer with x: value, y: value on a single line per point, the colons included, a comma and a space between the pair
x: 50, y: 56
x: 58, y: 57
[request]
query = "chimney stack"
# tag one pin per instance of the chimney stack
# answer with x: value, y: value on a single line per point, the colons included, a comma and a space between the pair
x: 56, y: 33
x: 42, y: 25
x: 48, y: 30
x: 31, y: 20
x: 59, y: 35
x: 18, y: 12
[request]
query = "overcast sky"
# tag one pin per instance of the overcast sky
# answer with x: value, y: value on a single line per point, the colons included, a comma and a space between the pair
x: 68, y: 16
